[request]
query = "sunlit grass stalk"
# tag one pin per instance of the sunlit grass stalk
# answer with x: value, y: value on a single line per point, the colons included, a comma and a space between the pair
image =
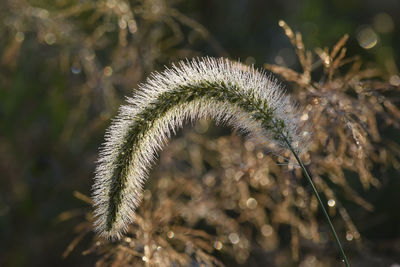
x: 223, y: 90
x: 321, y: 204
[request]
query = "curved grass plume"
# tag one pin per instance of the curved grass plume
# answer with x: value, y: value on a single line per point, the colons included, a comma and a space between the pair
x: 226, y: 91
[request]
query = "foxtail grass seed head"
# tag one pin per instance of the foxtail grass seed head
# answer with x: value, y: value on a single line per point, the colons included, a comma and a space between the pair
x: 226, y: 91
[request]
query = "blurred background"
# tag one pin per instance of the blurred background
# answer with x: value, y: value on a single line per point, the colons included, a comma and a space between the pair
x: 66, y: 65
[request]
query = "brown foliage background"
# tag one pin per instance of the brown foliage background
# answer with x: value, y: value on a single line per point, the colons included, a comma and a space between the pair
x: 213, y: 198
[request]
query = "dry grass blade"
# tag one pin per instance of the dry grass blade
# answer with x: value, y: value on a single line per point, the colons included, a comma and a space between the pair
x: 339, y: 45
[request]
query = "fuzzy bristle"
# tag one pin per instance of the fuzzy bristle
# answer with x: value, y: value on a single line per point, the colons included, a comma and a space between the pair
x: 226, y: 91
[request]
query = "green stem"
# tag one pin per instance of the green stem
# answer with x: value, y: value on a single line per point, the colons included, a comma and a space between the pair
x: 319, y: 200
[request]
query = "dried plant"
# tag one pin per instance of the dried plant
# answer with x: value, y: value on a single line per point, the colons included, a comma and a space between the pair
x: 225, y: 196
x: 343, y: 109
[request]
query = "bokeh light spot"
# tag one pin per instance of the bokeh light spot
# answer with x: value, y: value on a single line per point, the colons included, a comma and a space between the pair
x: 76, y: 69
x: 267, y: 230
x: 170, y: 234
x: 234, y: 238
x: 349, y: 236
x: 383, y: 23
x: 108, y: 71
x: 367, y: 38
x: 251, y: 203
x: 218, y: 245
x: 50, y: 38
x: 19, y: 37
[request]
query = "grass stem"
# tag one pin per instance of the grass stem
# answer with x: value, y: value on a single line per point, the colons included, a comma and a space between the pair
x: 307, y: 175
